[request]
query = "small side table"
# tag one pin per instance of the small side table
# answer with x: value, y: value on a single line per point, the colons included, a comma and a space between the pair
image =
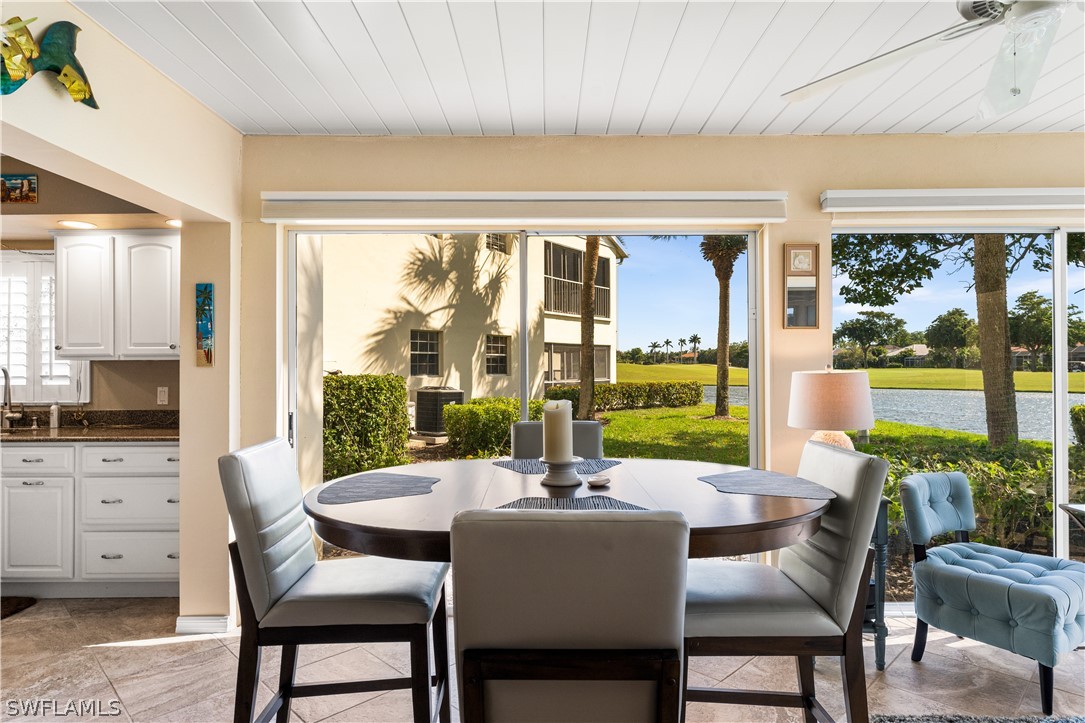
x: 1075, y: 512
x: 874, y: 617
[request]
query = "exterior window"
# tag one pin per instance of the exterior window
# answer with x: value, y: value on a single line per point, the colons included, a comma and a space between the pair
x: 564, y: 274
x: 28, y: 333
x: 497, y: 354
x: 425, y: 353
x: 497, y: 242
x: 562, y: 364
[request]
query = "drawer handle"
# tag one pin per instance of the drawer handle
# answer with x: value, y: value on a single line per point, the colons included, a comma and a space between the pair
x: 117, y: 556
x: 173, y: 459
x: 174, y: 556
x: 35, y: 483
x: 173, y: 346
x: 32, y: 460
x: 112, y: 459
x: 112, y: 502
x: 173, y: 501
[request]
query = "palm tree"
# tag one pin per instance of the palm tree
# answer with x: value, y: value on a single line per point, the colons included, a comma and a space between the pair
x: 694, y: 341
x: 722, y: 252
x: 586, y: 409
x: 681, y: 348
x: 654, y: 347
x: 667, y: 344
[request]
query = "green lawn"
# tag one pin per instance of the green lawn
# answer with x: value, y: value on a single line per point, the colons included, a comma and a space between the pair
x: 677, y: 433
x: 879, y: 378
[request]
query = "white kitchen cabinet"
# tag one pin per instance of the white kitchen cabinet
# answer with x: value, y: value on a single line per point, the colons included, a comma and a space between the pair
x: 84, y: 296
x: 118, y: 295
x: 147, y: 295
x: 38, y: 518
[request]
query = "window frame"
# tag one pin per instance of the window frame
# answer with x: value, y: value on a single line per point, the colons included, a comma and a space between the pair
x: 435, y: 341
x: 497, y: 242
x: 40, y: 276
x: 496, y: 357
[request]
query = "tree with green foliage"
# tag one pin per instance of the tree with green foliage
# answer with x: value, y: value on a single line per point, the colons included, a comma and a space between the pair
x: 950, y: 333
x: 1031, y: 323
x: 653, y: 348
x: 694, y: 342
x: 740, y: 354
x: 667, y: 344
x: 871, y: 328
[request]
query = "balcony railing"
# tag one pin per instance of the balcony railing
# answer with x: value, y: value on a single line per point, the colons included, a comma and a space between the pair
x: 563, y: 297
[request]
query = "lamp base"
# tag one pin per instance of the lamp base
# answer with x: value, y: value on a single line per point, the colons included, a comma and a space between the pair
x: 836, y: 439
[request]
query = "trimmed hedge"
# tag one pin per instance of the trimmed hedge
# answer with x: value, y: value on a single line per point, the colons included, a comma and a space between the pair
x: 365, y: 423
x: 634, y: 395
x: 480, y: 427
x: 1077, y: 422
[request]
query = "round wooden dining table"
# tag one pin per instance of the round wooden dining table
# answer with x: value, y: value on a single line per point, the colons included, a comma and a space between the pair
x: 417, y: 527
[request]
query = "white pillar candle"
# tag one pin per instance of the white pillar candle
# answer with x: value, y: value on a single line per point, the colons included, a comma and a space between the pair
x: 558, y: 430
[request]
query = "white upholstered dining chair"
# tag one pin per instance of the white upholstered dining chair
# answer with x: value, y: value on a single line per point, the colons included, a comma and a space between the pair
x: 527, y: 439
x: 812, y: 604
x: 287, y: 598
x: 569, y: 616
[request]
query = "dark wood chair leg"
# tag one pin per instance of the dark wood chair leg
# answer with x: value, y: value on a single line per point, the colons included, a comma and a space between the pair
x: 420, y: 679
x: 805, y: 666
x: 248, y: 678
x: 685, y: 679
x: 1047, y: 688
x: 287, y: 668
x: 853, y: 674
x: 920, y: 643
x: 440, y: 658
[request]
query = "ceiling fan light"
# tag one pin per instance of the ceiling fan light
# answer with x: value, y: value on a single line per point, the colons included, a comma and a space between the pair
x: 1033, y: 15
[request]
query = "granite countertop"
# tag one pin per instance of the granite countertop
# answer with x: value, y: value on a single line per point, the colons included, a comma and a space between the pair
x: 90, y: 434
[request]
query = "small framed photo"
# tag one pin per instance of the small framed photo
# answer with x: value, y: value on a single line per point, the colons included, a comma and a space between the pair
x: 801, y: 259
x: 19, y: 188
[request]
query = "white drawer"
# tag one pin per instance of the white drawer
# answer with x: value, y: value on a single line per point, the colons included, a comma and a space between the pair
x: 131, y: 501
x: 26, y: 460
x: 136, y: 459
x: 131, y: 554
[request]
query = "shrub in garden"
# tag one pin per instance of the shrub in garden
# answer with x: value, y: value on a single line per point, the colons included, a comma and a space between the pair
x: 480, y: 427
x: 365, y: 422
x: 634, y: 395
x: 1077, y: 422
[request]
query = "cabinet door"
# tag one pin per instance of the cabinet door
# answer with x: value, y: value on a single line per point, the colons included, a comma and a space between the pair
x: 148, y: 270
x: 39, y: 524
x: 84, y: 300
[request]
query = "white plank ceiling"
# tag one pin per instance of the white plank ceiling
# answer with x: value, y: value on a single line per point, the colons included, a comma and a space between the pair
x: 561, y: 67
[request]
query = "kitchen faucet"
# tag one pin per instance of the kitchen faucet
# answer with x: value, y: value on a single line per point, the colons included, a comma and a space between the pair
x: 9, y: 416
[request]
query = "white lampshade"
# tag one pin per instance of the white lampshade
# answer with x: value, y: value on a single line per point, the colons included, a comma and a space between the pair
x: 830, y: 400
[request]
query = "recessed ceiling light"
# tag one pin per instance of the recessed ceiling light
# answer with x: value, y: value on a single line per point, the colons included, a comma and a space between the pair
x: 81, y: 225
x: 175, y: 222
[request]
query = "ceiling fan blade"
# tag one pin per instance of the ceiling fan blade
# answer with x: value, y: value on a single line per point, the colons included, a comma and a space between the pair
x: 1017, y: 69
x: 823, y: 85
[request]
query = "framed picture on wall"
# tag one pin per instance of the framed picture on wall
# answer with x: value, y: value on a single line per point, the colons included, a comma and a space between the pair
x: 800, y: 286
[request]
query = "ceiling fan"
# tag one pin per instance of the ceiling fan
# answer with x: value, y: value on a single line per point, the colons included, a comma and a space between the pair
x: 1031, y: 26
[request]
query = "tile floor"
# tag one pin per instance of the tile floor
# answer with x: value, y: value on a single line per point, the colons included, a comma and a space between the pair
x: 124, y: 650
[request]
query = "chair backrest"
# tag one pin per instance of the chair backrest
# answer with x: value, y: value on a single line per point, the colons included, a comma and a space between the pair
x: 549, y: 580
x: 935, y: 503
x: 829, y: 564
x: 263, y: 495
x: 527, y: 439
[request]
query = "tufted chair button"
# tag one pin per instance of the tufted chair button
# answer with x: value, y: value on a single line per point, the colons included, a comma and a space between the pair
x: 975, y: 611
x: 938, y: 601
x: 1012, y: 623
x: 949, y: 499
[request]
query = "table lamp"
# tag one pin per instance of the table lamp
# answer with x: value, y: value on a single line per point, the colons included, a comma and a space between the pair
x: 830, y: 402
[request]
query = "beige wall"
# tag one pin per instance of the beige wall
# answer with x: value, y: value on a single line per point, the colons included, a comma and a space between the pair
x: 801, y: 166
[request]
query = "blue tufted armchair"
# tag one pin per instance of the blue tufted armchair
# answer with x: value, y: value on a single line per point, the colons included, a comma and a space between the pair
x: 1028, y: 604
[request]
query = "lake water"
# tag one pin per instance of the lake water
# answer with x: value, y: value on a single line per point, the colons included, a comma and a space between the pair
x: 944, y: 408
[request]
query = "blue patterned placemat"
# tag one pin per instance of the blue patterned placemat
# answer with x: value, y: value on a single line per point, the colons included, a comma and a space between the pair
x: 534, y: 466
x: 763, y: 482
x: 370, y: 486
x: 592, y: 502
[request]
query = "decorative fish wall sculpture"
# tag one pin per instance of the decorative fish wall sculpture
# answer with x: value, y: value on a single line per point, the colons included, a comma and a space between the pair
x: 23, y: 57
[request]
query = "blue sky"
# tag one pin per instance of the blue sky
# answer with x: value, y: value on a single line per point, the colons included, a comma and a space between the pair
x: 667, y: 290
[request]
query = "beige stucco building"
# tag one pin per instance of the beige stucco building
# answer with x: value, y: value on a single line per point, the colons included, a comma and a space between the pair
x: 444, y: 309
